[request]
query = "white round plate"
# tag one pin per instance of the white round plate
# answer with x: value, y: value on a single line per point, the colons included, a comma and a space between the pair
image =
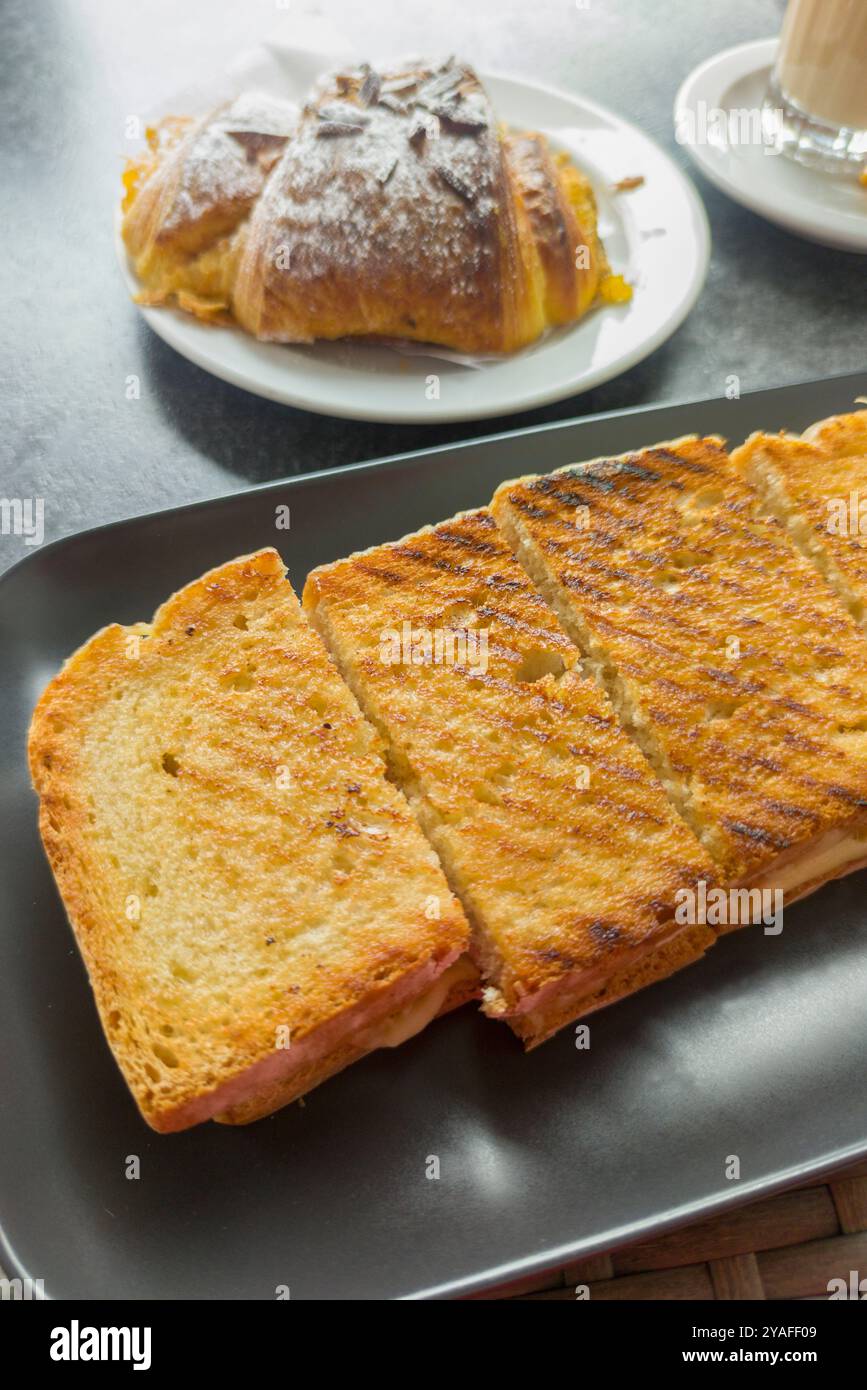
x: 656, y: 235
x: 827, y: 208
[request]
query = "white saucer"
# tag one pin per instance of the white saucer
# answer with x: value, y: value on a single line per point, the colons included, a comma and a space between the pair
x: 657, y: 236
x: 827, y: 208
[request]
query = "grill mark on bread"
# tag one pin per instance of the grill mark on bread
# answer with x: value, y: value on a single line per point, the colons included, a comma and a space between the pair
x: 486, y: 548
x: 755, y: 834
x: 639, y: 638
x: 490, y: 760
x: 847, y: 794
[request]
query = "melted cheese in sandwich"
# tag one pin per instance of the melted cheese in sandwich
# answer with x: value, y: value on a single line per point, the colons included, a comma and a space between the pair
x: 828, y: 858
x: 416, y: 1016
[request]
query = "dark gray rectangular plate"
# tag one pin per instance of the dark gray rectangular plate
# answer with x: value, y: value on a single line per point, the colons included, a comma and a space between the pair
x: 758, y: 1052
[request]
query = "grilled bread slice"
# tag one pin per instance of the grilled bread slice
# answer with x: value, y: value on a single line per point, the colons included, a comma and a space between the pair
x: 817, y: 487
x: 551, y: 828
x: 254, y: 901
x: 736, y: 670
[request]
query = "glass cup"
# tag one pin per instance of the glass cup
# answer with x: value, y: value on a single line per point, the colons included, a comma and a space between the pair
x: 816, y: 107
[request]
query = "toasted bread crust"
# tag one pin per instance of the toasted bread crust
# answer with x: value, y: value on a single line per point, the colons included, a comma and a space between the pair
x: 271, y: 1098
x: 561, y: 881
x: 816, y: 486
x: 214, y: 771
x: 658, y: 963
x: 840, y: 436
x: 736, y: 670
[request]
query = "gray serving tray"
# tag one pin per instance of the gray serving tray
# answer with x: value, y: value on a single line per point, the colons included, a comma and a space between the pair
x: 759, y: 1051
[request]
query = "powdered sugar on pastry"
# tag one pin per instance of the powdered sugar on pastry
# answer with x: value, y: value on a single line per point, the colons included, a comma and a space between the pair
x: 396, y: 210
x: 419, y: 167
x: 228, y: 155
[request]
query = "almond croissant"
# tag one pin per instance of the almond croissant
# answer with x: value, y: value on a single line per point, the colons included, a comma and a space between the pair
x: 394, y: 207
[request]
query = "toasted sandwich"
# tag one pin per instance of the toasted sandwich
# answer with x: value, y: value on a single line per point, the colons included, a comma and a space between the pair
x: 254, y: 901
x: 550, y: 826
x: 816, y: 486
x: 730, y: 662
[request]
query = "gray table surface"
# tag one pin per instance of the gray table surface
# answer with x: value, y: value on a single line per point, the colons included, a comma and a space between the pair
x: 775, y: 309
